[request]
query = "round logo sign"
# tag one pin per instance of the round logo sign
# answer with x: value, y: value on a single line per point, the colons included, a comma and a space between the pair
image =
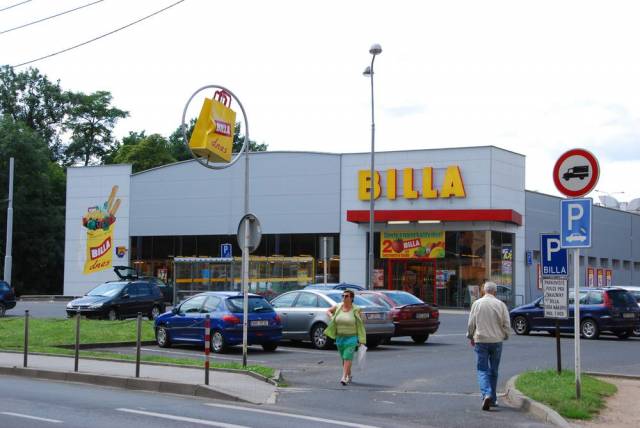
x: 576, y: 173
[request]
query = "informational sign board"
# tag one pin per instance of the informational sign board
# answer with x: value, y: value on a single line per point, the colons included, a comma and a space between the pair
x: 556, y: 298
x: 529, y: 257
x: 575, y: 223
x: 226, y: 251
x: 576, y: 173
x: 553, y: 257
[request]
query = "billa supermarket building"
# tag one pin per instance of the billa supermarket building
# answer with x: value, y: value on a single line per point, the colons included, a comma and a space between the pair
x: 445, y: 220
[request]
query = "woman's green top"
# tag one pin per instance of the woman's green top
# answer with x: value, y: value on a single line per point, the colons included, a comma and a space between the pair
x: 332, y: 329
x: 346, y: 323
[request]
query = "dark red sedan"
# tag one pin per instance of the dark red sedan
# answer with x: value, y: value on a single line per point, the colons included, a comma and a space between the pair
x: 411, y: 316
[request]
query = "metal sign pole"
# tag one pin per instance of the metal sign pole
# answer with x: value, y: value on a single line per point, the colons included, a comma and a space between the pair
x: 576, y: 317
x: 8, y: 260
x: 558, y: 351
x: 245, y: 258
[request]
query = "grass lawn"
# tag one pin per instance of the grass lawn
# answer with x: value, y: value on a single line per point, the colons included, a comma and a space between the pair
x: 45, y: 335
x: 559, y: 392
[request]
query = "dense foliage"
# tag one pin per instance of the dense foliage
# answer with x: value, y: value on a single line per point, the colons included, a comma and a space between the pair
x: 47, y: 129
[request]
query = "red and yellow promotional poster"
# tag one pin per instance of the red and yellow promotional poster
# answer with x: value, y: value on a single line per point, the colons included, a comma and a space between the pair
x: 608, y: 275
x: 590, y: 277
x: 412, y: 245
x: 99, y: 222
x: 600, y: 276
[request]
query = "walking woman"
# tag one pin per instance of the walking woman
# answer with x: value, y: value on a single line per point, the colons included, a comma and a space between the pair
x: 347, y: 329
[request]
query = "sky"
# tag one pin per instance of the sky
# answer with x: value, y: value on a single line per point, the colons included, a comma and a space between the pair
x: 534, y: 77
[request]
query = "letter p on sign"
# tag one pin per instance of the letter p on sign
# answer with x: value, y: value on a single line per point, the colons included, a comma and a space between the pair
x: 576, y: 212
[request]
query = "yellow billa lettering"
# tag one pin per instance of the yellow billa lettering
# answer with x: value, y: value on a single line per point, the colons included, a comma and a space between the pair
x: 364, y: 185
x: 407, y: 184
x: 391, y: 183
x: 428, y: 192
x: 452, y: 184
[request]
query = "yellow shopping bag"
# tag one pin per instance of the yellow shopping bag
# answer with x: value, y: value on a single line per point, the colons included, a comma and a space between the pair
x: 212, y: 136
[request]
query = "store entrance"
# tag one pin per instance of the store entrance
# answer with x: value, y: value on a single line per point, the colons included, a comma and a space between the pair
x: 417, y: 277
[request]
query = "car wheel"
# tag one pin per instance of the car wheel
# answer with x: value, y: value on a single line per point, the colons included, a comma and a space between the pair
x: 270, y: 347
x: 318, y: 339
x: 624, y: 334
x: 218, y: 344
x: 636, y: 331
x: 521, y: 325
x: 420, y: 338
x: 162, y: 337
x: 112, y: 315
x: 589, y: 329
x: 3, y: 310
x: 155, y: 312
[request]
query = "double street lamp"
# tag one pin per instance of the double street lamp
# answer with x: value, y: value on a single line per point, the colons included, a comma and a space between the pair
x: 375, y: 49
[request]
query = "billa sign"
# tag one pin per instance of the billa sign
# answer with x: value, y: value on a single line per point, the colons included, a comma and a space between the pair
x: 100, y: 222
x: 412, y: 245
x: 212, y: 136
x: 450, y: 186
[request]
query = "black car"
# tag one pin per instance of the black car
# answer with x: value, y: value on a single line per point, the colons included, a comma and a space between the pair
x: 7, y: 297
x: 129, y: 273
x: 120, y: 299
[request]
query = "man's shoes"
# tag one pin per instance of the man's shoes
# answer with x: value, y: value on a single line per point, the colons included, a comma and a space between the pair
x: 486, y: 403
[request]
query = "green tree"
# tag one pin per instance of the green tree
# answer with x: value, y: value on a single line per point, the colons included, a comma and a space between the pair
x: 238, y: 140
x: 148, y: 153
x: 29, y: 97
x: 132, y: 139
x: 91, y: 120
x: 38, y: 203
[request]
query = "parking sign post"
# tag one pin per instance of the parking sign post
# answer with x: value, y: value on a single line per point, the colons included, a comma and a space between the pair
x: 576, y: 317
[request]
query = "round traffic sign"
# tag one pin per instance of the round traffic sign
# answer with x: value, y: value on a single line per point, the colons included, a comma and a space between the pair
x: 255, y: 232
x: 576, y: 173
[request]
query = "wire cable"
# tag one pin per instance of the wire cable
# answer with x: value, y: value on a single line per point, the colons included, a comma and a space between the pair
x: 14, y: 5
x: 99, y: 37
x: 50, y: 17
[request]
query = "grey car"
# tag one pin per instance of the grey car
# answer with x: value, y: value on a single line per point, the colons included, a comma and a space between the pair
x: 304, y: 316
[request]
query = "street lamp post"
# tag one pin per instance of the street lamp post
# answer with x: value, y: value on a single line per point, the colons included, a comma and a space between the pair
x: 375, y: 49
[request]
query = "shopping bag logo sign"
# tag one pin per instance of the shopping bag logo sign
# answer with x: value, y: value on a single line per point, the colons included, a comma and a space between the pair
x: 101, y: 249
x: 222, y: 128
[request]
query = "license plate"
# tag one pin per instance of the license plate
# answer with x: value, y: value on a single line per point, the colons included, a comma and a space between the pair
x: 629, y: 315
x: 260, y: 323
x: 374, y: 316
x: 422, y: 315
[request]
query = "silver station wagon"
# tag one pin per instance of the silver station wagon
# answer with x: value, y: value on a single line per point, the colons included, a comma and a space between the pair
x: 304, y: 316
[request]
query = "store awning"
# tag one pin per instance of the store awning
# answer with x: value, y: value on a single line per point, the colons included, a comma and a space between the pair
x: 384, y: 216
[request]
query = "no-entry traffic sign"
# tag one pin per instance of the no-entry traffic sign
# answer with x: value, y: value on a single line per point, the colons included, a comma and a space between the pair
x: 576, y: 173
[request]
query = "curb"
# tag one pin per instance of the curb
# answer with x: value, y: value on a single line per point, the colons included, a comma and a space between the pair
x: 152, y: 385
x: 526, y: 404
x: 613, y: 375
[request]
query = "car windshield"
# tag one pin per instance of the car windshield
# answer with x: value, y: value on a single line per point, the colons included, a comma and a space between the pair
x: 404, y: 298
x: 256, y: 304
x: 621, y: 297
x: 359, y: 300
x: 108, y: 289
x: 4, y: 286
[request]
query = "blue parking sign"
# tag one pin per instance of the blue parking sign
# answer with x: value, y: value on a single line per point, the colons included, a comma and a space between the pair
x: 225, y: 251
x: 575, y: 223
x: 553, y: 257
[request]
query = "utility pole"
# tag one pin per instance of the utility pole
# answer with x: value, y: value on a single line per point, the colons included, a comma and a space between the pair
x: 7, y: 255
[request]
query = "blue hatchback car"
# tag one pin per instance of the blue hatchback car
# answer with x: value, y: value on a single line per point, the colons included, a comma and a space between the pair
x: 185, y: 323
x: 7, y: 298
x: 601, y: 309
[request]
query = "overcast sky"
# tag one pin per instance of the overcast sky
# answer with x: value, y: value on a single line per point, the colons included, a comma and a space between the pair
x: 535, y: 77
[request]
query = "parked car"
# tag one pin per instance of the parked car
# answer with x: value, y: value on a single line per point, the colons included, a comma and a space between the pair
x: 120, y: 299
x: 411, y: 316
x: 7, y: 297
x: 334, y: 286
x: 635, y: 291
x: 185, y: 323
x: 129, y: 273
x: 304, y: 316
x: 601, y: 310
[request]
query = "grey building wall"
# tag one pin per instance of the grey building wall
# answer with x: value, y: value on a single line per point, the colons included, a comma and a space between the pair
x: 616, y: 241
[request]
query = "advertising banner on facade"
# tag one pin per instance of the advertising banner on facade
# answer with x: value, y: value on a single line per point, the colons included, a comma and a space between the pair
x: 600, y: 275
x: 608, y: 277
x: 507, y: 259
x: 100, y: 223
x: 412, y: 245
x: 591, y: 281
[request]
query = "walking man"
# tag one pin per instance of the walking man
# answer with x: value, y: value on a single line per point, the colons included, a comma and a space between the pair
x: 488, y: 327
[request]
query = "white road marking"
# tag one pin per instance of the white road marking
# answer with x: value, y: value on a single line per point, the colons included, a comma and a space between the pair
x: 182, y: 419
x: 191, y: 354
x: 20, y: 415
x: 291, y: 415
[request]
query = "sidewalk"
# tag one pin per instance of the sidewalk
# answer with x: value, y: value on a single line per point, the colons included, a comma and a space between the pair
x: 153, y: 377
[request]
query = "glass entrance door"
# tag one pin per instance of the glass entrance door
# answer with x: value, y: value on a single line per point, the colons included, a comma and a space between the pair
x: 415, y: 277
